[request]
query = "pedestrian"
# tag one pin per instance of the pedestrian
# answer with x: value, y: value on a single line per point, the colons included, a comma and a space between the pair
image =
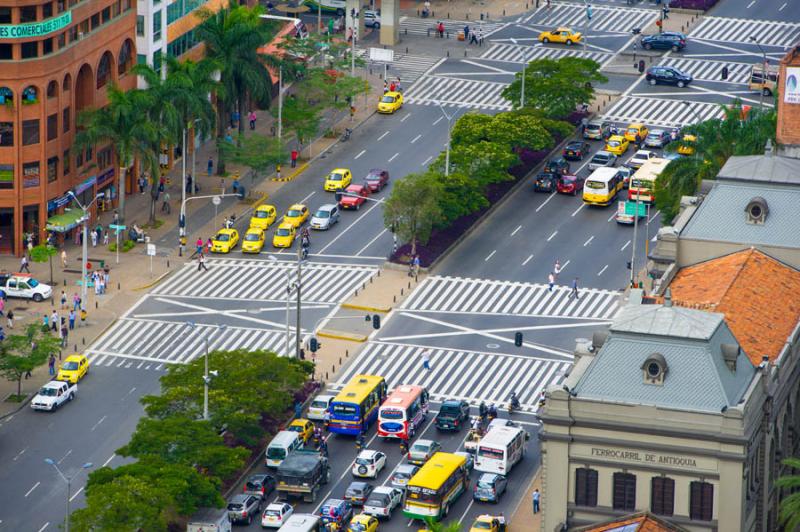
x: 201, y: 263
x: 99, y: 231
x: 210, y: 166
x: 23, y: 264
x: 466, y: 33
x: 54, y: 320
x: 63, y: 258
x: 556, y: 269
x: 235, y: 117
x: 440, y: 28
x: 45, y: 322
x: 10, y: 318
x: 63, y: 299
x: 72, y: 319
x: 116, y: 218
x: 252, y: 117
x: 397, y: 86
x: 426, y: 359
x: 480, y: 36
x: 392, y: 87
x: 385, y: 86
x: 209, y: 245
x: 295, y: 154
x: 94, y: 239
x: 105, y: 238
x: 574, y: 291
x: 165, y: 207
x: 551, y: 280
x: 84, y: 314
x: 64, y: 336
x: 76, y: 301
x: 2, y: 305
x: 51, y: 364
x: 473, y: 38
x: 536, y: 496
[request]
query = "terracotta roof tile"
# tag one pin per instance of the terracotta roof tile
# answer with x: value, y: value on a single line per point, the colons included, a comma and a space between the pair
x: 647, y: 523
x: 756, y: 293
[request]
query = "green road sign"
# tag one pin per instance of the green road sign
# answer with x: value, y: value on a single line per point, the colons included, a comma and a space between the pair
x: 630, y: 208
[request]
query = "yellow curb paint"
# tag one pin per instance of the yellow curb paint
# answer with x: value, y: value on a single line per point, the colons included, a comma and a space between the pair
x: 353, y: 306
x: 158, y: 280
x: 300, y: 169
x: 338, y: 335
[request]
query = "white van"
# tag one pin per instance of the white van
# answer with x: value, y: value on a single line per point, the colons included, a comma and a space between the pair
x: 281, y: 446
x: 500, y: 450
x: 302, y: 523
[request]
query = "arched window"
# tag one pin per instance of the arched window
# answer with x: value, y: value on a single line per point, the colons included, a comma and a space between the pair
x: 6, y: 96
x: 125, y: 59
x: 30, y: 95
x: 104, y: 70
x: 67, y: 83
x: 52, y: 89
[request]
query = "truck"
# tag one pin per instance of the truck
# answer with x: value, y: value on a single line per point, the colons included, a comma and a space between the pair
x: 302, y: 474
x: 209, y: 520
x: 54, y: 394
x: 23, y: 286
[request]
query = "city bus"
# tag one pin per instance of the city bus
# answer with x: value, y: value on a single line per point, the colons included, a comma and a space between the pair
x: 330, y: 6
x: 602, y: 186
x: 435, y: 487
x: 402, y: 413
x: 643, y: 182
x: 356, y: 406
x: 768, y: 84
x: 500, y: 449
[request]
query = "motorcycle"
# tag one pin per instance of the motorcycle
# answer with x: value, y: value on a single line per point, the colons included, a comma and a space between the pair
x: 346, y: 135
x: 513, y: 404
x: 492, y: 412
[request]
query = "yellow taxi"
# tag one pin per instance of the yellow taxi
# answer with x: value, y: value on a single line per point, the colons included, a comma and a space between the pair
x: 363, y: 523
x: 339, y: 179
x: 617, y: 144
x: 390, y: 102
x: 73, y: 369
x: 302, y: 426
x: 224, y: 241
x: 488, y: 523
x: 296, y: 215
x: 253, y: 240
x: 263, y: 217
x: 284, y: 236
x: 686, y: 146
x: 636, y: 129
x: 561, y: 36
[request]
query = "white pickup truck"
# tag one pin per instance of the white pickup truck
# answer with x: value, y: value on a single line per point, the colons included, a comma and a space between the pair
x: 24, y: 286
x: 54, y: 394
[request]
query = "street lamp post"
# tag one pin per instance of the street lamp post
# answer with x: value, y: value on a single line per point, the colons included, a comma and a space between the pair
x: 85, y: 254
x: 764, y: 75
x: 206, y: 375
x: 289, y: 288
x: 522, y: 91
x: 354, y: 14
x: 68, y: 480
x: 447, y: 152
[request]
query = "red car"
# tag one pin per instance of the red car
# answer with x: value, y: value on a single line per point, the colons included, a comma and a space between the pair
x: 570, y: 184
x: 354, y: 196
x: 376, y: 179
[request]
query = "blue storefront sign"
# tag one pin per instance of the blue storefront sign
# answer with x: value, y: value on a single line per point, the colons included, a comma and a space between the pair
x: 64, y: 200
x: 106, y: 176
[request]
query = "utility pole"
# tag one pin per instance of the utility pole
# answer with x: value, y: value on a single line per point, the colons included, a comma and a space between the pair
x: 764, y: 74
x: 280, y: 104
x: 299, y: 289
x: 447, y: 152
x: 588, y: 25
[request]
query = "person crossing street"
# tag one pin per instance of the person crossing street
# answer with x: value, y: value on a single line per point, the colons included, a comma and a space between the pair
x: 201, y: 263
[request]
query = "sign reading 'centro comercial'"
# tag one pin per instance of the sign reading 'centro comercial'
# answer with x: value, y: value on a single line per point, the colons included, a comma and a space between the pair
x: 35, y: 29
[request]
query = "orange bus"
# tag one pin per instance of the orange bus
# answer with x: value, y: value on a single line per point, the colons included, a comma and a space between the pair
x: 403, y: 412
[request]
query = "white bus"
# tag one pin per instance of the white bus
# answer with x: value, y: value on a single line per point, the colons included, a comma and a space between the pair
x: 500, y: 450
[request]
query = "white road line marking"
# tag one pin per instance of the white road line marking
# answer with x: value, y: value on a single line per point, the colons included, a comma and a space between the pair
x: 654, y: 216
x: 588, y: 241
x: 751, y: 4
x: 516, y: 230
x: 415, y: 139
x: 611, y: 217
x: 109, y: 460
x: 563, y: 266
x: 33, y: 488
x: 381, y: 137
x: 132, y: 390
x: 628, y: 243
x: 360, y: 154
x: 552, y: 236
x: 76, y: 494
x: 405, y: 117
x: 426, y: 161
x: 44, y: 526
x: 370, y: 242
x: 393, y: 157
x: 782, y: 7
x: 98, y: 423
x: 438, y: 120
x: 601, y: 271
x: 579, y: 209
x: 490, y: 255
x: 545, y: 203
x: 20, y: 453
x: 527, y: 260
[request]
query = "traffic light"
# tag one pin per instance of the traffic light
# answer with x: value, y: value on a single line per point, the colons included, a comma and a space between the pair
x: 628, y: 264
x: 376, y: 321
x: 518, y: 339
x: 641, y: 66
x: 724, y: 72
x: 313, y: 345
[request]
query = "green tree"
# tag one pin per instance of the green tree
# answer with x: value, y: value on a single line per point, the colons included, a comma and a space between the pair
x: 412, y: 208
x: 190, y: 83
x: 44, y: 253
x: 789, y: 511
x: 125, y: 125
x: 300, y: 117
x: 126, y: 503
x: 438, y: 526
x: 20, y: 354
x: 556, y: 86
x: 459, y: 195
x: 257, y: 152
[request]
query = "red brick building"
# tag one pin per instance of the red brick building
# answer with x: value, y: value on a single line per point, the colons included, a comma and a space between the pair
x: 56, y: 59
x: 788, y: 134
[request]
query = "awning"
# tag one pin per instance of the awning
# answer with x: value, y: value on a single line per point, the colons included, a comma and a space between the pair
x: 61, y: 223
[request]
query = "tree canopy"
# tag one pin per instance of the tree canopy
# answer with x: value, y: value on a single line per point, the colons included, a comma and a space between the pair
x: 413, y: 208
x: 21, y: 353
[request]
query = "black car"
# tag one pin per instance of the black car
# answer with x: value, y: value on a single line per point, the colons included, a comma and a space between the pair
x: 576, y: 150
x: 668, y: 75
x: 559, y: 165
x: 259, y: 485
x: 545, y: 182
x: 452, y: 415
x: 669, y: 40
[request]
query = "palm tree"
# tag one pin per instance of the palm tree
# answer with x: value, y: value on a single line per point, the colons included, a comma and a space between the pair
x: 232, y: 37
x: 125, y: 124
x: 437, y: 526
x: 789, y: 514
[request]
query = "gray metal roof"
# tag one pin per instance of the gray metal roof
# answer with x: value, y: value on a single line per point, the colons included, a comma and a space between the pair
x: 762, y: 168
x: 721, y: 216
x: 662, y: 320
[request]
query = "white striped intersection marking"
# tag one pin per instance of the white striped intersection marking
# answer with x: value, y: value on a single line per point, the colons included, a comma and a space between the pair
x: 149, y: 344
x: 604, y: 18
x: 479, y: 296
x: 456, y: 374
x: 657, y: 112
x: 408, y: 67
x: 420, y: 26
x: 514, y: 53
x: 767, y: 32
x: 457, y: 92
x: 262, y: 280
x: 710, y: 70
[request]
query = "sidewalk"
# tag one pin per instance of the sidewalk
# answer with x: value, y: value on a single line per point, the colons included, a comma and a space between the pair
x: 523, y: 519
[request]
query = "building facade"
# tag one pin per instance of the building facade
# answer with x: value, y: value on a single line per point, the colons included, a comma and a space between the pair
x: 56, y: 59
x: 788, y: 131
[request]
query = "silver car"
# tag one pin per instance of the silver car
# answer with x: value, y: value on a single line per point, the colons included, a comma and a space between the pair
x: 372, y: 19
x: 325, y: 217
x: 403, y: 474
x: 421, y: 451
x: 243, y: 508
x: 601, y: 159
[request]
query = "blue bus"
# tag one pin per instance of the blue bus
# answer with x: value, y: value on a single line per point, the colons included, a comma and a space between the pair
x: 356, y: 406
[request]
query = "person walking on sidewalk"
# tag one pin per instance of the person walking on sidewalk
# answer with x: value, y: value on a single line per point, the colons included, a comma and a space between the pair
x: 201, y: 263
x: 574, y: 291
x: 72, y: 317
x: 63, y: 299
x: 76, y: 301
x: 54, y: 321
x: 93, y: 237
x: 466, y: 33
x: 63, y: 258
x: 252, y: 117
x: 210, y: 166
x: 10, y: 317
x: 2, y: 305
x: 294, y: 158
x: 105, y: 238
x: 23, y: 264
x: 51, y: 364
x: 165, y: 207
x: 536, y: 497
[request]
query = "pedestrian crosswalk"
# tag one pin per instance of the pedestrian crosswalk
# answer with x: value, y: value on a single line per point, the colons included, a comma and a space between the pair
x: 151, y: 345
x: 409, y: 68
x: 604, y: 18
x: 457, y: 92
x: 514, y: 53
x: 458, y: 374
x: 766, y: 32
x: 422, y: 26
x: 658, y: 112
x: 710, y: 70
x: 482, y: 296
x: 262, y: 280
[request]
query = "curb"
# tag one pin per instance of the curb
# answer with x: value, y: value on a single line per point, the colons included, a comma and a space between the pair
x: 300, y: 169
x: 341, y: 335
x: 367, y: 308
x: 150, y: 285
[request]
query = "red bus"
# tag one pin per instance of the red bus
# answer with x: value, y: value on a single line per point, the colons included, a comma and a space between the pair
x: 403, y: 412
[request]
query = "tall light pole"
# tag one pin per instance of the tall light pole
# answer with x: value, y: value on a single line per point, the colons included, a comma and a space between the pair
x: 85, y: 246
x: 280, y: 105
x: 354, y: 15
x: 522, y: 91
x: 68, y: 480
x: 289, y: 288
x: 764, y: 75
x: 447, y: 152
x: 206, y: 375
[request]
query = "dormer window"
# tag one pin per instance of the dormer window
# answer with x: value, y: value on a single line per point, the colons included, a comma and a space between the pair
x: 756, y: 211
x: 654, y: 369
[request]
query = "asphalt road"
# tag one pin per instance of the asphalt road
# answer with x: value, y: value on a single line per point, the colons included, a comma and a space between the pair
x: 779, y: 10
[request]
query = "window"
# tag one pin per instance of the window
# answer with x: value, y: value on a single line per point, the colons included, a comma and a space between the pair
x: 6, y: 176
x: 157, y: 25
x: 79, y: 159
x: 104, y: 70
x: 47, y: 46
x: 60, y: 6
x: 27, y: 14
x: 6, y: 96
x: 30, y: 174
x: 62, y: 40
x: 67, y: 83
x: 52, y: 169
x: 6, y: 51
x: 47, y: 10
x: 157, y: 60
x: 5, y: 15
x: 140, y: 25
x: 624, y: 492
x: 6, y: 133
x: 124, y: 58
x: 106, y: 13
x: 141, y: 59
x: 52, y: 126
x: 65, y: 119
x: 30, y: 49
x: 73, y: 34
x: 662, y: 496
x: 30, y: 132
x: 104, y: 157
x: 701, y: 501
x: 30, y: 94
x: 66, y: 162
x: 585, y: 487
x: 95, y: 21
x: 52, y: 90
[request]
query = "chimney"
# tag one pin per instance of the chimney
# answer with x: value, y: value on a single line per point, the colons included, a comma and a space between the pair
x: 668, y: 298
x: 730, y: 352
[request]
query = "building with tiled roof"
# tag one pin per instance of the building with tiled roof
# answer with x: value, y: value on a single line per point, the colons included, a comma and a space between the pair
x: 638, y: 522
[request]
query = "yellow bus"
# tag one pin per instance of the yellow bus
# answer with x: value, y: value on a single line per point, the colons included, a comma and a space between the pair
x: 435, y: 487
x: 356, y: 406
x: 602, y: 186
x: 643, y: 182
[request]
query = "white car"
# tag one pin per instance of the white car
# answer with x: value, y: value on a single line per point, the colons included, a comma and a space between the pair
x: 372, y: 19
x: 382, y: 501
x: 276, y: 514
x: 640, y: 157
x: 369, y: 463
x: 318, y: 406
x: 54, y: 394
x: 24, y: 286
